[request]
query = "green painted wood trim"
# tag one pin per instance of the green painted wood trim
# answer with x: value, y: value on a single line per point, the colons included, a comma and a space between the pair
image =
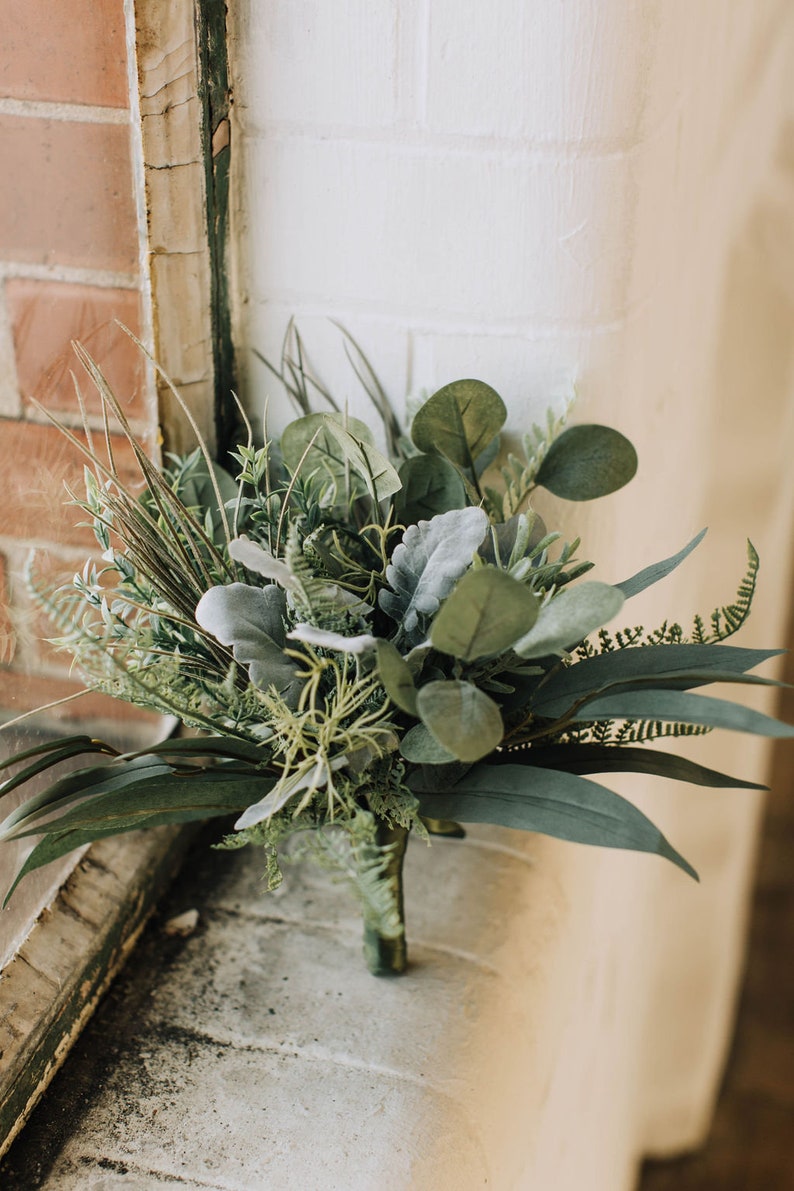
x: 56, y: 980
x: 216, y: 100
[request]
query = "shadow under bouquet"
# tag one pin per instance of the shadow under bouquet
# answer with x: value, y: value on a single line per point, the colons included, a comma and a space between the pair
x: 373, y: 644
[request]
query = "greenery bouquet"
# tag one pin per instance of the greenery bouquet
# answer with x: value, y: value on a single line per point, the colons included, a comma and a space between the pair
x: 373, y: 643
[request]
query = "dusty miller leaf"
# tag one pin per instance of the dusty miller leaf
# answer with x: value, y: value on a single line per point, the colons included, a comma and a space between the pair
x: 428, y: 562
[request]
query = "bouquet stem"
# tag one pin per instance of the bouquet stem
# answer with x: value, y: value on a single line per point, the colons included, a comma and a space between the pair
x: 386, y: 954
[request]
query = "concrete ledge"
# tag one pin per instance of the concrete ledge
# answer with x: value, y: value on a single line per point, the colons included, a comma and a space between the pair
x: 52, y: 986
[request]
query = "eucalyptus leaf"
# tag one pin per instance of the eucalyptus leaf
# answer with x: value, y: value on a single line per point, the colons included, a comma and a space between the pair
x: 379, y: 476
x: 586, y: 462
x: 421, y: 747
x: 250, y: 620
x: 551, y: 802
x: 485, y: 614
x: 570, y: 617
x: 197, y: 492
x: 459, y: 422
x: 325, y: 452
x: 462, y: 718
x: 430, y: 485
x: 658, y: 570
x: 396, y: 677
x: 427, y: 563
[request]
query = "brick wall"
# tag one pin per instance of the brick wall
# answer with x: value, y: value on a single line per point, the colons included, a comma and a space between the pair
x: 70, y: 247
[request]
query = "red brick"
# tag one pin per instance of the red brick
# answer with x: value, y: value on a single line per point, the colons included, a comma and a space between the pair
x: 67, y: 194
x: 72, y: 51
x: 37, y: 460
x: 46, y: 316
x: 21, y: 692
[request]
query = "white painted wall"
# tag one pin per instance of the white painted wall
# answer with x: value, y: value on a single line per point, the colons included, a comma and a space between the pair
x: 536, y: 194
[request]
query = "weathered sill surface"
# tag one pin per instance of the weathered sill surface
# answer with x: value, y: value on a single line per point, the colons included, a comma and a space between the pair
x: 76, y: 947
x: 259, y: 1053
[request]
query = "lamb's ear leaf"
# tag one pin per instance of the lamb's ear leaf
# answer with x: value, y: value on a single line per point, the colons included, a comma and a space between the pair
x: 485, y: 614
x: 250, y: 620
x: 586, y: 462
x: 569, y: 618
x: 396, y: 676
x: 459, y: 422
x: 552, y: 802
x: 430, y: 485
x: 427, y: 564
x: 462, y: 718
x: 658, y: 570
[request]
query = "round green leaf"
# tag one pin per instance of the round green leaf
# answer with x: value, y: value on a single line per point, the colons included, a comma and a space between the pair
x: 423, y: 749
x: 485, y: 614
x: 464, y: 720
x: 586, y: 462
x: 395, y: 674
x: 459, y: 421
x: 325, y: 451
x: 429, y: 486
x: 569, y: 618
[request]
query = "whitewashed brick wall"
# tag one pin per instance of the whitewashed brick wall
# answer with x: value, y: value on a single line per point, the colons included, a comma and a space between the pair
x: 539, y: 194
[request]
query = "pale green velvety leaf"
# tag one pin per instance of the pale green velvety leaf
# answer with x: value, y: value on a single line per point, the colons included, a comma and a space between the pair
x: 569, y: 618
x: 430, y: 485
x: 658, y: 570
x: 396, y: 676
x: 459, y: 421
x: 551, y: 802
x: 427, y: 564
x: 462, y: 718
x: 249, y: 619
x: 485, y: 614
x: 586, y: 462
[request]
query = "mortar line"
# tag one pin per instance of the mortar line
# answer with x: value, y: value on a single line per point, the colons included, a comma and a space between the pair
x: 37, y: 109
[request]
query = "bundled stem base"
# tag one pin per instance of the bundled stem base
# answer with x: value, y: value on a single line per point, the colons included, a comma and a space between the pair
x: 387, y: 955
